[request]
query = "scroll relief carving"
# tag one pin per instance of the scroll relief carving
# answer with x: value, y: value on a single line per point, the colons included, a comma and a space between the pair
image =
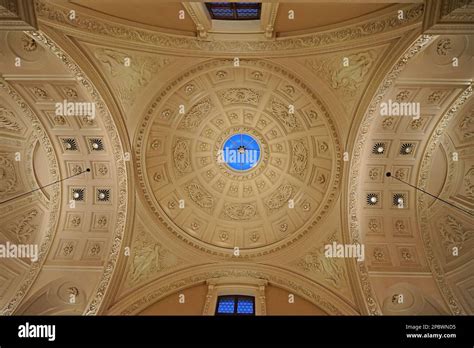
x: 200, y: 196
x: 453, y: 233
x: 8, y: 177
x: 240, y: 211
x: 7, y: 121
x: 181, y: 156
x: 444, y: 47
x: 469, y: 183
x: 282, y: 112
x: 23, y: 229
x: 280, y: 197
x: 196, y: 114
x: 300, y: 158
x: 240, y: 95
x: 467, y: 125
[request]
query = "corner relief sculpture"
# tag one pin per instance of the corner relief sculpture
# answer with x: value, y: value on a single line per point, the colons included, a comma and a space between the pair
x: 330, y: 270
x: 129, y: 73
x: 148, y: 258
x: 347, y: 75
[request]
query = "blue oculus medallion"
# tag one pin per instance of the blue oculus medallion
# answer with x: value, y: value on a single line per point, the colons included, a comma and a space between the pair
x: 240, y: 152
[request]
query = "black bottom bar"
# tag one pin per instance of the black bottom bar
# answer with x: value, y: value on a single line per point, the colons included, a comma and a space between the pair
x: 292, y: 331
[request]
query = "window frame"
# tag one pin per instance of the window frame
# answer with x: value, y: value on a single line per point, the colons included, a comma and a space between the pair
x: 234, y: 7
x: 240, y: 286
x: 236, y: 299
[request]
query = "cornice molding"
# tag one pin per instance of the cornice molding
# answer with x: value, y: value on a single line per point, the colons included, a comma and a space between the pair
x: 58, y: 16
x: 139, y: 300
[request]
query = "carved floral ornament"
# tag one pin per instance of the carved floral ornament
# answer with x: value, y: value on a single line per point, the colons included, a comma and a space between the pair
x: 237, y: 202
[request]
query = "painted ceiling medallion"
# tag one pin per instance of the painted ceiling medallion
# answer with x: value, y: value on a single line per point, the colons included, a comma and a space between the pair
x: 242, y: 162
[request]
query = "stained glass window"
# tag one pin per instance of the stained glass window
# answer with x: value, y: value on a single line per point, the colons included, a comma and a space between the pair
x: 240, y: 152
x: 226, y: 305
x: 245, y: 306
x: 234, y: 10
x: 235, y: 305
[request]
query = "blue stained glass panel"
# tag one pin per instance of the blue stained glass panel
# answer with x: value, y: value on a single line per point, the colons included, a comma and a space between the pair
x: 247, y: 12
x: 226, y: 305
x: 241, y: 152
x: 222, y: 12
x: 245, y: 306
x: 234, y: 10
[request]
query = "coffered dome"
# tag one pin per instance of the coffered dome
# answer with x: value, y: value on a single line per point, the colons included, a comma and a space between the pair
x: 207, y: 202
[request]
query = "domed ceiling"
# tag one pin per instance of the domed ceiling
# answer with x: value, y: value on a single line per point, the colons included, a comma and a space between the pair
x: 284, y: 195
x: 235, y: 157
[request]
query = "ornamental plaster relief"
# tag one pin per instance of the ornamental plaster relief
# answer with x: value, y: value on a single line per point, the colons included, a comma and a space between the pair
x: 129, y: 73
x: 360, y: 31
x: 178, y: 157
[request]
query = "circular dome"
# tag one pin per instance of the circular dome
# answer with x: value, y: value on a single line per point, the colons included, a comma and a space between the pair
x: 213, y: 200
x: 240, y: 152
